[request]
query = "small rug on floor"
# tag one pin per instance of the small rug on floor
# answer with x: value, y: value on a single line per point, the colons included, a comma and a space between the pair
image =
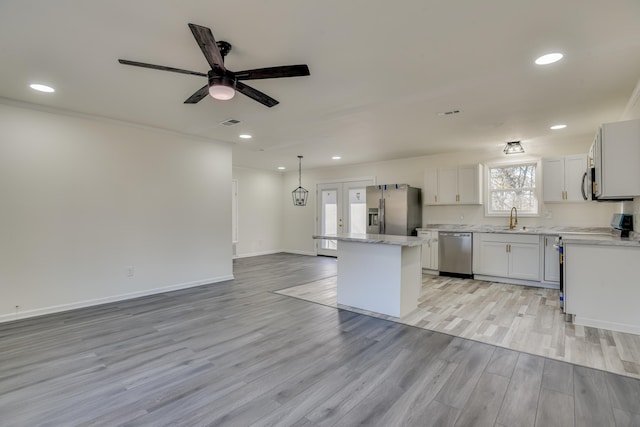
x: 521, y: 318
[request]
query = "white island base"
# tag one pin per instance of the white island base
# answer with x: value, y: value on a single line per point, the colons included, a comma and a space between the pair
x: 379, y: 273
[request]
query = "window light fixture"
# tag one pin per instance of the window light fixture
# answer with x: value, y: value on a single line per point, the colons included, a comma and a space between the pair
x: 513, y: 147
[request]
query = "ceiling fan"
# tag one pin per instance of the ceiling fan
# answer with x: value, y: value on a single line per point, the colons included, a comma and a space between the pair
x: 224, y: 83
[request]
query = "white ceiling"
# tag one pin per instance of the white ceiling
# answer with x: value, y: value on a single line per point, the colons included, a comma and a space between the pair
x: 380, y: 70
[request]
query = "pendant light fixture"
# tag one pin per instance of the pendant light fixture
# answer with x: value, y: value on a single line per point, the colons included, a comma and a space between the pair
x: 299, y: 194
x: 513, y: 147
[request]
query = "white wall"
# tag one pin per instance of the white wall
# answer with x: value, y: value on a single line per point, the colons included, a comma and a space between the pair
x: 83, y: 199
x: 260, y: 221
x: 301, y: 220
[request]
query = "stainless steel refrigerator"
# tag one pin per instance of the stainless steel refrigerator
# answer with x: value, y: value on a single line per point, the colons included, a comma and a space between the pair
x: 393, y: 209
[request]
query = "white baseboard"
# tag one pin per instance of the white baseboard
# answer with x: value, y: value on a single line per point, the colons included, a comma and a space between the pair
x: 250, y: 254
x: 300, y: 252
x: 88, y: 303
x: 602, y: 324
x: 516, y: 281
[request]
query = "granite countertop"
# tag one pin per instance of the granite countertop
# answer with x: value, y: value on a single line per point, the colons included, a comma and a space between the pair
x: 373, y: 238
x: 519, y: 230
x: 602, y: 240
x: 576, y: 235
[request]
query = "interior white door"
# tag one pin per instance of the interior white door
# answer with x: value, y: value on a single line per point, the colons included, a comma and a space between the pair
x: 342, y: 209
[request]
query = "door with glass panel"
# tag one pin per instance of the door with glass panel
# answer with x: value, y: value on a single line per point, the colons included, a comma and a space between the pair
x: 342, y: 208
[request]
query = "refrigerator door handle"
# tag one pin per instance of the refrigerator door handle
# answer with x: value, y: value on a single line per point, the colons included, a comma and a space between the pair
x: 382, y: 216
x: 584, y: 193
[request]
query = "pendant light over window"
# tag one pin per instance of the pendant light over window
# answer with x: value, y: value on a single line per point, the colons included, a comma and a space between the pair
x: 513, y: 147
x: 299, y: 194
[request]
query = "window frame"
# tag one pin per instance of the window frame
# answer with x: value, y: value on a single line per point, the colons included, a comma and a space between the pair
x: 504, y: 164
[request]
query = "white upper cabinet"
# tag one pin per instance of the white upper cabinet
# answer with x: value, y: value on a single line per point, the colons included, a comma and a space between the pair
x: 453, y: 185
x: 430, y: 196
x: 562, y: 178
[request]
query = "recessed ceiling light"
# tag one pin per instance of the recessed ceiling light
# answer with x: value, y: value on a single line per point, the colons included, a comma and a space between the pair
x: 41, y: 88
x: 556, y: 127
x: 245, y: 136
x: 336, y: 158
x: 281, y: 168
x: 549, y: 58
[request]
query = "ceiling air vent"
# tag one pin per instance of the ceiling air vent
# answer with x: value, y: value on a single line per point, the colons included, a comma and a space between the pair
x: 230, y: 122
x: 448, y: 113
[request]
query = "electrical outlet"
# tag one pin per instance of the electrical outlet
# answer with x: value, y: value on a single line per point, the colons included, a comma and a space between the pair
x: 130, y: 271
x: 548, y: 215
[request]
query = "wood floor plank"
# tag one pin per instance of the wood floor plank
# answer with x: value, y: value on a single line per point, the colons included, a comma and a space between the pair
x: 592, y: 404
x: 463, y: 381
x: 624, y: 393
x: 485, y: 401
x: 503, y: 362
x: 558, y: 376
x: 555, y: 409
x: 521, y: 401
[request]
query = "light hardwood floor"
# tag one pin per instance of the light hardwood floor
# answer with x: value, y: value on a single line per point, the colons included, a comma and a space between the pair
x: 516, y: 317
x: 238, y: 354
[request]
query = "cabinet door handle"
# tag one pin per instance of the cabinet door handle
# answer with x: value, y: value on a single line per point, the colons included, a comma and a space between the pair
x: 546, y: 242
x: 435, y: 198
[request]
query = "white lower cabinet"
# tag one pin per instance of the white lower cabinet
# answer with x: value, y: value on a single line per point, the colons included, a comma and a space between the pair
x: 429, y: 249
x: 507, y: 255
x: 551, y: 260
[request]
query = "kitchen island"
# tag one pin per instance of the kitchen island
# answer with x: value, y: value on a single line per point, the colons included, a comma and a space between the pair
x: 378, y: 272
x: 601, y: 281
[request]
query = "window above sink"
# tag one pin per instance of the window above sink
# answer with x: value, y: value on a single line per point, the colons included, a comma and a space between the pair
x: 511, y: 185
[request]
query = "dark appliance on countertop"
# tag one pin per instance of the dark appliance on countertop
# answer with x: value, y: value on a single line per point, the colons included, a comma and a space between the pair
x: 394, y: 209
x: 622, y: 224
x: 455, y: 254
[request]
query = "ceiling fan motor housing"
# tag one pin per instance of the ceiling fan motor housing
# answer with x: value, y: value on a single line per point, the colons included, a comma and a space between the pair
x: 221, y: 79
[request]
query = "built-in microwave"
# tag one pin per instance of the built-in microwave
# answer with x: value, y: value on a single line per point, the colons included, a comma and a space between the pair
x: 592, y: 178
x: 613, y: 157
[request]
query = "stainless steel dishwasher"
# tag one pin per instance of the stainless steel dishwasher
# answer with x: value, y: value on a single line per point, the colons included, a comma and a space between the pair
x: 454, y: 251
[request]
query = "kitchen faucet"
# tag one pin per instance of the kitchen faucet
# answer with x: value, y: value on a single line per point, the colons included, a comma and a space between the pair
x: 512, y: 223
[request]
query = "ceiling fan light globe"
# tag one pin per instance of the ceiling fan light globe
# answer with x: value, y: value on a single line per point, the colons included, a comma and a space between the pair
x: 221, y: 92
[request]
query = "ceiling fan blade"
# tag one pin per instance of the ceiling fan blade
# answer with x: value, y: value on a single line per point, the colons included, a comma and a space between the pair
x: 207, y: 43
x: 273, y: 72
x: 160, y: 67
x: 256, y: 95
x: 198, y: 95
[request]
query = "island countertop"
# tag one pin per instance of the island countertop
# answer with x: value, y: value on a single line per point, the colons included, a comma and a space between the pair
x: 387, y: 239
